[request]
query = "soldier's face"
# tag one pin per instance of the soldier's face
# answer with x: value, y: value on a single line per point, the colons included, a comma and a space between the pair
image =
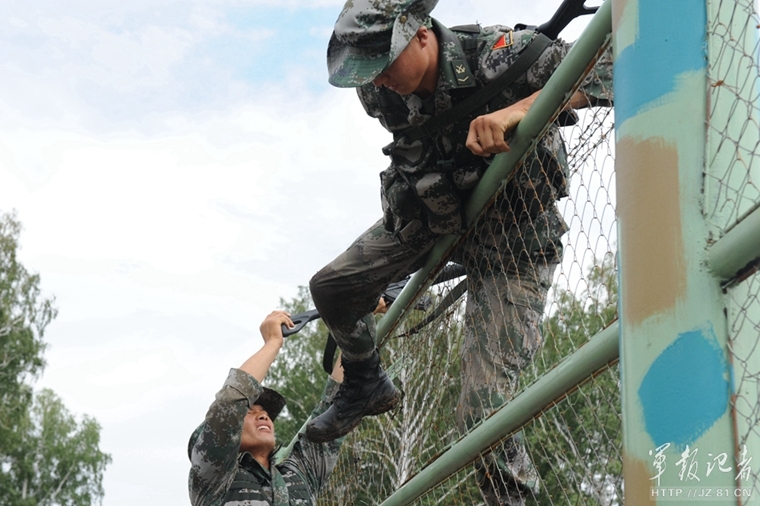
x: 406, y: 72
x: 258, y: 431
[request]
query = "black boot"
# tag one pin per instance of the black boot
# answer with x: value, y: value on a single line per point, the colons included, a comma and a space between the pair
x: 366, y: 391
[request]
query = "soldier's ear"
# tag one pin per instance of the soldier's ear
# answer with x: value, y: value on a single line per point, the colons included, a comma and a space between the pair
x: 423, y: 35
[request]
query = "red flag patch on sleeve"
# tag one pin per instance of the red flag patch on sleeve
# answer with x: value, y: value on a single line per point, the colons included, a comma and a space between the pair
x: 503, y: 42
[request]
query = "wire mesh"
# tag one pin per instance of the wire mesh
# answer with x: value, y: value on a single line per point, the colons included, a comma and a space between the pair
x: 732, y: 178
x: 744, y: 346
x: 732, y: 181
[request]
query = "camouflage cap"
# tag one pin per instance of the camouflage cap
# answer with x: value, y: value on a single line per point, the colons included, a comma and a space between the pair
x: 369, y: 35
x: 272, y: 402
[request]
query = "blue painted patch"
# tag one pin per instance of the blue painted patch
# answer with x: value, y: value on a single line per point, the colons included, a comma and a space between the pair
x: 685, y: 390
x: 672, y: 41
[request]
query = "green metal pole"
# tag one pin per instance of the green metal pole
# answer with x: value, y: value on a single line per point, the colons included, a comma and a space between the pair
x: 551, y: 387
x: 554, y: 95
x: 738, y: 248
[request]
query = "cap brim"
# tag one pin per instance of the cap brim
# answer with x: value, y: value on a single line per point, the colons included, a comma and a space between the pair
x: 193, y: 438
x: 351, y: 67
x: 272, y: 402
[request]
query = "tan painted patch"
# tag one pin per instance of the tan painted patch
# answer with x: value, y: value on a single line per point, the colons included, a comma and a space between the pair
x: 653, y: 273
x: 637, y: 483
x: 618, y: 6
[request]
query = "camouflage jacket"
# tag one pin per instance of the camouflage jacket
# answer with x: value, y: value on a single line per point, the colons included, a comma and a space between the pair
x: 430, y: 177
x: 220, y: 474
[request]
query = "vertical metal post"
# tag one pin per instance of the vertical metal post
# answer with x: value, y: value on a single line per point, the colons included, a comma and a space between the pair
x: 676, y: 374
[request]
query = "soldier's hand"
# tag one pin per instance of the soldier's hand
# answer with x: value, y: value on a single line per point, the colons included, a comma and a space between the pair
x: 271, y: 329
x: 486, y: 134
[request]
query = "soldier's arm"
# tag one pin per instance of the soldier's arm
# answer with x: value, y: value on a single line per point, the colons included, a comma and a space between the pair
x: 215, y: 450
x: 486, y: 134
x: 271, y: 331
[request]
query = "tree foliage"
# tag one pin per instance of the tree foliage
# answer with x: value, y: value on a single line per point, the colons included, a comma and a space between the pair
x: 57, y: 460
x: 46, y: 456
x: 24, y: 314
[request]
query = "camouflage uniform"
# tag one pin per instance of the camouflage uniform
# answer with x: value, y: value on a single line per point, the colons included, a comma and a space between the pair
x: 511, y: 254
x: 221, y: 474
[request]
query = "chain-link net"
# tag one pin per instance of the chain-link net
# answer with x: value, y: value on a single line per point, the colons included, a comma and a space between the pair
x: 732, y: 185
x: 744, y: 346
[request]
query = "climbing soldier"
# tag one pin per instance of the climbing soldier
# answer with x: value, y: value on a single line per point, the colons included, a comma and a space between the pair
x: 449, y: 97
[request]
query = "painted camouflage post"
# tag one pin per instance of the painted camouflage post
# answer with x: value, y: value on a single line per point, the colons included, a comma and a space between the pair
x: 680, y: 147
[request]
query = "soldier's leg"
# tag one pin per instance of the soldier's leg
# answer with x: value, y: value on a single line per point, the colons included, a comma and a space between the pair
x: 502, y: 336
x: 510, y: 258
x: 346, y: 292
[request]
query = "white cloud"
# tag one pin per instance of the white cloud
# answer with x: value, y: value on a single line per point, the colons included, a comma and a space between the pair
x: 104, y: 67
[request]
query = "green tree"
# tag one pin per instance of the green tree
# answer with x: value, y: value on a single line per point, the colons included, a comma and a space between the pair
x: 58, y: 460
x: 46, y: 457
x: 24, y: 314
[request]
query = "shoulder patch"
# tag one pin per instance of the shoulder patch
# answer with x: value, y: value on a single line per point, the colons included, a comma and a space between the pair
x: 504, y: 41
x: 462, y: 73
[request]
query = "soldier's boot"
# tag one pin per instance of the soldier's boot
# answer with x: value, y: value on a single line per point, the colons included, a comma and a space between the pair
x: 507, y: 476
x: 366, y: 391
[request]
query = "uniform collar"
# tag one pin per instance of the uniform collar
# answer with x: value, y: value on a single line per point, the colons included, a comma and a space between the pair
x: 280, y: 496
x: 251, y: 464
x: 454, y: 72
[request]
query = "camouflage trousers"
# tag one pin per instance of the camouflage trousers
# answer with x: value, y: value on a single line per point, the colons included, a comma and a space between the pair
x: 506, y: 296
x: 347, y: 290
x: 502, y: 336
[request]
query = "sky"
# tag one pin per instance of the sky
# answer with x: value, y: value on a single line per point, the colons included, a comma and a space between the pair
x: 179, y: 166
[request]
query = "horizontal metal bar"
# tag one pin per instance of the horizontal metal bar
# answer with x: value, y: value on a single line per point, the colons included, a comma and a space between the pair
x: 737, y: 249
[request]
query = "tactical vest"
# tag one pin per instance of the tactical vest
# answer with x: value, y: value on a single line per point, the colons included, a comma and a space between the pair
x: 251, y: 485
x: 441, y: 181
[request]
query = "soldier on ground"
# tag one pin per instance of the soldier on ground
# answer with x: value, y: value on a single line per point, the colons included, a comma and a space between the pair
x: 232, y: 451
